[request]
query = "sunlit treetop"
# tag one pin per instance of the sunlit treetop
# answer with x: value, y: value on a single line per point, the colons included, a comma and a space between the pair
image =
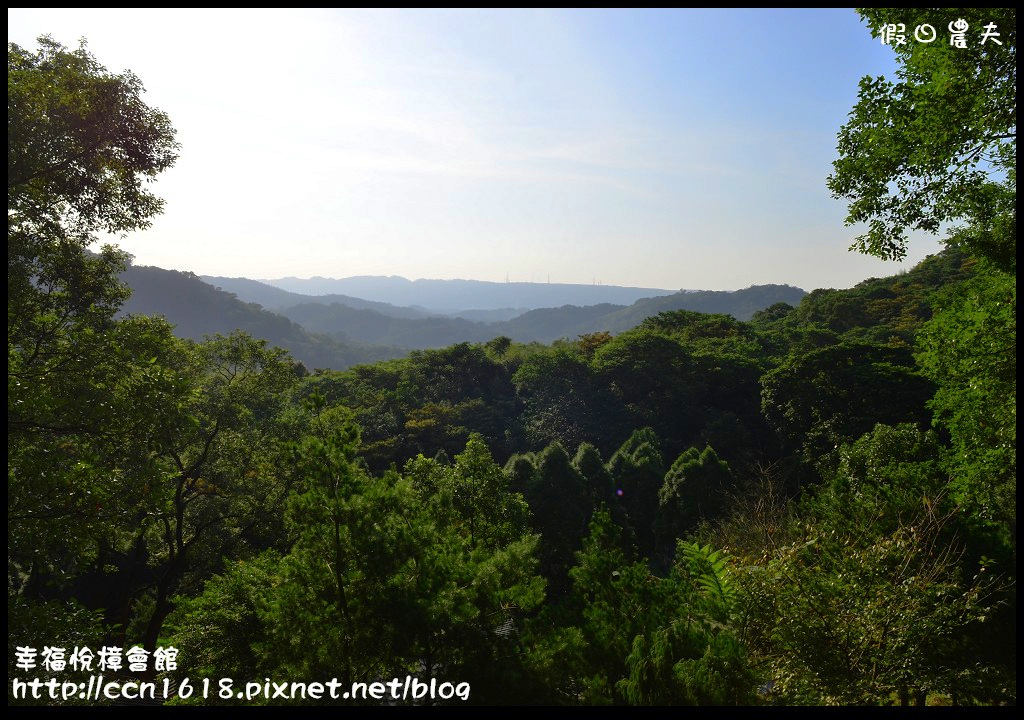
x: 81, y: 144
x: 938, y: 143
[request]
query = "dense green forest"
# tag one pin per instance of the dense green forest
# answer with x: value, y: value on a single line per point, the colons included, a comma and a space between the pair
x: 816, y: 505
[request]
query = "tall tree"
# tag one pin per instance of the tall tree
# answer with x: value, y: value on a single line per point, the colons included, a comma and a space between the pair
x: 85, y: 394
x: 969, y: 349
x: 561, y: 507
x: 638, y: 471
x: 420, y: 574
x: 81, y: 145
x: 215, y: 479
x: 695, y: 489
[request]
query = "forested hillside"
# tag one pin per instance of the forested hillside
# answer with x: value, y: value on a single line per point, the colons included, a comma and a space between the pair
x: 196, y: 309
x: 365, y: 331
x: 812, y: 506
x: 273, y: 298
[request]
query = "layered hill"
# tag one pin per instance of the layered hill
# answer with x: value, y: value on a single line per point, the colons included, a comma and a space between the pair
x: 337, y: 331
x: 196, y: 309
x: 449, y: 297
x: 543, y: 325
x: 340, y: 331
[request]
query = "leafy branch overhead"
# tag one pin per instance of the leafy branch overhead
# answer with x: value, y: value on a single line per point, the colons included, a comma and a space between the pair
x: 938, y: 143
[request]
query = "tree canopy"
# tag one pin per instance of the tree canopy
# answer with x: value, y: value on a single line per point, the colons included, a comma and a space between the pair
x: 938, y: 143
x: 81, y: 143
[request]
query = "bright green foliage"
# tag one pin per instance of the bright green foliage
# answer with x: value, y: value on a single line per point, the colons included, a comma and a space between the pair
x: 857, y: 623
x: 135, y: 460
x: 386, y: 575
x: 649, y: 640
x: 83, y: 415
x: 619, y: 600
x: 696, y: 659
x: 214, y: 486
x: 80, y: 391
x: 884, y: 310
x: 479, y: 490
x: 709, y: 570
x: 80, y: 142
x: 680, y: 666
x: 223, y: 631
x: 969, y: 350
x: 938, y: 143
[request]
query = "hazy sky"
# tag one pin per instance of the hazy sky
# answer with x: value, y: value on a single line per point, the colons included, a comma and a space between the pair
x: 654, y: 148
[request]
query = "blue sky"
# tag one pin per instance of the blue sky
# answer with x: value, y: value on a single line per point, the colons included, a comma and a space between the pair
x: 655, y: 148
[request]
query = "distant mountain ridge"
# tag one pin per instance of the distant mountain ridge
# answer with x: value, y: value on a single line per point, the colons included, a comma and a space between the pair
x: 543, y: 325
x: 366, y: 334
x: 448, y: 297
x: 337, y: 331
x: 197, y: 308
x: 274, y: 298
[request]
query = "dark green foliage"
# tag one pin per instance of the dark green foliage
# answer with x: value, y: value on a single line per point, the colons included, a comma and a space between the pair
x: 38, y: 625
x: 520, y: 469
x: 701, y: 332
x: 599, y: 483
x: 560, y: 504
x: 638, y: 470
x: 773, y: 313
x: 564, y: 401
x: 885, y: 309
x: 819, y: 400
x: 656, y: 379
x: 696, y: 489
x: 217, y: 497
